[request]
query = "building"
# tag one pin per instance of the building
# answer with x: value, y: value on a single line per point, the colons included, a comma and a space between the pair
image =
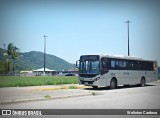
x: 48, y: 72
x: 26, y: 73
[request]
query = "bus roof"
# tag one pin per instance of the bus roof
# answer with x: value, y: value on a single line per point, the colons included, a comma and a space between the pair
x: 124, y: 57
x: 121, y: 57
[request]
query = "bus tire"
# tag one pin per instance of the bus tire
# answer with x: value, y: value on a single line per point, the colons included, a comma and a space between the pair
x: 143, y: 82
x: 95, y: 87
x: 113, y: 84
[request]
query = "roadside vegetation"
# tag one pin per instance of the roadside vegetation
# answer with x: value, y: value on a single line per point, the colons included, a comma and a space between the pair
x: 8, y: 58
x: 19, y: 81
x: 47, y: 96
x: 73, y: 87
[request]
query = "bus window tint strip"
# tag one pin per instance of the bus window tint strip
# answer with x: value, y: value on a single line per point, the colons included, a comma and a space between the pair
x: 122, y: 64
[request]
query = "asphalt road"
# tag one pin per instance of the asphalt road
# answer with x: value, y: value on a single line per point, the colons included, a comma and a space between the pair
x: 133, y: 97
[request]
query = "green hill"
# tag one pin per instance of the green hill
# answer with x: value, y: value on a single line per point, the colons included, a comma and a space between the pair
x: 35, y: 60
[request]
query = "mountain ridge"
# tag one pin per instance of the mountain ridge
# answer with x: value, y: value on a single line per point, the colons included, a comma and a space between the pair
x: 35, y: 60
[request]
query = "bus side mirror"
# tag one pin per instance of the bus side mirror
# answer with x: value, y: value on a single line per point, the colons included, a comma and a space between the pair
x: 77, y: 64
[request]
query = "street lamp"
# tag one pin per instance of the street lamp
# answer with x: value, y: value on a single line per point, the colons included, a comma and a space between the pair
x: 128, y: 35
x: 44, y: 53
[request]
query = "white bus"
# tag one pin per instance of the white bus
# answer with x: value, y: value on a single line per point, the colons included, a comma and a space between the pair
x: 106, y: 70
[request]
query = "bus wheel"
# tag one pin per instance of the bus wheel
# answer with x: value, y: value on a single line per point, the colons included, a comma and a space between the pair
x: 113, y: 84
x: 143, y: 82
x: 95, y: 87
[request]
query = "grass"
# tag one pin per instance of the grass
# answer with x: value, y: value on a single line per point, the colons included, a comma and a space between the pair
x: 15, y: 81
x: 47, y: 96
x: 73, y: 87
x: 93, y: 93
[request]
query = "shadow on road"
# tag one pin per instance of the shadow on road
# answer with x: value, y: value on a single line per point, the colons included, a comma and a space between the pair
x: 119, y: 87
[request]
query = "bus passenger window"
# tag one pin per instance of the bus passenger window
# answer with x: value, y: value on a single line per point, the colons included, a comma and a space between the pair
x: 124, y: 64
x: 120, y: 64
x: 117, y: 65
x: 112, y: 64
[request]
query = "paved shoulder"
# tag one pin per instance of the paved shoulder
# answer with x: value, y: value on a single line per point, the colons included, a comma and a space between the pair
x: 32, y: 93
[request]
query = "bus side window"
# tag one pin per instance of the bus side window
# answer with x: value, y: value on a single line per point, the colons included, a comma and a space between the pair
x: 124, y: 65
x: 116, y: 65
x: 120, y: 65
x: 112, y: 64
x: 105, y: 65
x: 130, y: 65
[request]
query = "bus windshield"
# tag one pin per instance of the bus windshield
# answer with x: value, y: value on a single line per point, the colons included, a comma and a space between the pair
x: 89, y: 67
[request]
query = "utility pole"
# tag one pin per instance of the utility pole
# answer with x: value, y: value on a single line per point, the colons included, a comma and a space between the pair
x: 44, y: 53
x: 128, y: 35
x: 4, y: 46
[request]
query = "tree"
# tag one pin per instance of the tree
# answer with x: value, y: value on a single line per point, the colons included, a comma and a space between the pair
x: 13, y: 52
x: 3, y: 67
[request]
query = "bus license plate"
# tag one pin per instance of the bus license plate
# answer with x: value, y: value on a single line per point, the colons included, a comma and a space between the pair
x: 86, y: 83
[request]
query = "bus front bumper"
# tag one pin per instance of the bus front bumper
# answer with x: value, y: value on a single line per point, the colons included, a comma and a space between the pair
x: 86, y: 83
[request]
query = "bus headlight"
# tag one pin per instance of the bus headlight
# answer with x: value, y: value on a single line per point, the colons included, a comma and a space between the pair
x: 96, y: 79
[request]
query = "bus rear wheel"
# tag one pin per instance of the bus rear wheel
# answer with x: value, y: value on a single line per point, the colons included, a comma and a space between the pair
x: 143, y: 82
x: 113, y: 84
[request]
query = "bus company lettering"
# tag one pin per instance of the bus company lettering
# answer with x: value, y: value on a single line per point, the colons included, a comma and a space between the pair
x: 19, y: 112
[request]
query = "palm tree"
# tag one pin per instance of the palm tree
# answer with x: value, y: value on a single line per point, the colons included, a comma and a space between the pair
x: 12, y: 51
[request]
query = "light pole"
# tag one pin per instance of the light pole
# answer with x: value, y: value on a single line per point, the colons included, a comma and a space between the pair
x: 44, y: 53
x: 128, y: 35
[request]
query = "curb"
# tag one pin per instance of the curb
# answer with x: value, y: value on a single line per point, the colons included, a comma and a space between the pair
x: 41, y: 99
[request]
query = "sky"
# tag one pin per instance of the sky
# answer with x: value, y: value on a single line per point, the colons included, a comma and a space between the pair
x: 79, y: 27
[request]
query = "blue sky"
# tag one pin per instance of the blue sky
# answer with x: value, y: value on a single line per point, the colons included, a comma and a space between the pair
x: 77, y: 27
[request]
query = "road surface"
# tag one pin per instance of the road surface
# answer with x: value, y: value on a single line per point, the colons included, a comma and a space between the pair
x: 133, y: 97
